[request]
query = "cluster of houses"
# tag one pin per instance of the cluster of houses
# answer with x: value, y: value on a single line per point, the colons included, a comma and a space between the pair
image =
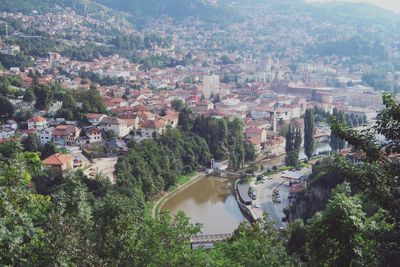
x: 69, y: 134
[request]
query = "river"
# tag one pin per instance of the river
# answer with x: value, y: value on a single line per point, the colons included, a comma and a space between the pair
x: 210, y: 202
x: 280, y: 160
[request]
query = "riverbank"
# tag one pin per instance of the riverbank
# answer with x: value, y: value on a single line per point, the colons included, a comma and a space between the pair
x: 181, y: 185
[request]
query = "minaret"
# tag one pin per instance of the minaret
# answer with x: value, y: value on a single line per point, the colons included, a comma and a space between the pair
x: 274, y: 122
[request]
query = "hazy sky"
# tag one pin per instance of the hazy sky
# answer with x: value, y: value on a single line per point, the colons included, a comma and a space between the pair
x: 393, y: 5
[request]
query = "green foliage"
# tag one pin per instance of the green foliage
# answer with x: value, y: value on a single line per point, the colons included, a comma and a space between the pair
x: 293, y: 143
x: 177, y: 105
x: 224, y: 138
x: 335, y: 142
x: 166, y: 241
x: 44, y: 96
x: 154, y: 8
x: 20, y: 60
x: 29, y: 96
x: 250, y: 151
x: 92, y: 101
x: 324, y: 178
x: 31, y: 143
x: 6, y: 108
x: 377, y: 175
x: 378, y: 77
x: 309, y: 142
x: 9, y: 150
x: 252, y: 246
x: 99, y: 79
x: 155, y: 165
x: 22, y: 211
x: 341, y: 234
x: 353, y: 47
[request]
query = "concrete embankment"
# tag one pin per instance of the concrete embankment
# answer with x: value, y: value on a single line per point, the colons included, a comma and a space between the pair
x: 246, y: 209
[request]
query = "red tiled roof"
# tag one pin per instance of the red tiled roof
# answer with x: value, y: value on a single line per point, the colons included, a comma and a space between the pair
x: 254, y: 130
x: 37, y: 119
x: 57, y: 159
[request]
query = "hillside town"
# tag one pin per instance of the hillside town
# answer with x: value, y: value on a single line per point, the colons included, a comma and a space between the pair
x: 266, y: 92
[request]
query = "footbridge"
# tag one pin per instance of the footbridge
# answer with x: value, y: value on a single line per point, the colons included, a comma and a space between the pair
x: 202, y: 240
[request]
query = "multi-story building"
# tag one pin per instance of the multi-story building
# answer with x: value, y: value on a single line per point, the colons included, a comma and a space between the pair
x: 37, y: 123
x: 65, y: 135
x: 210, y: 85
x: 117, y: 125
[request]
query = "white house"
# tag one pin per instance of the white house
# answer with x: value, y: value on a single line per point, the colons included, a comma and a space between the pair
x: 221, y: 165
x: 37, y: 123
x: 45, y: 135
x: 94, y: 135
x: 95, y: 118
x: 7, y: 133
x: 280, y: 113
x: 151, y: 126
x: 11, y: 124
x: 117, y: 125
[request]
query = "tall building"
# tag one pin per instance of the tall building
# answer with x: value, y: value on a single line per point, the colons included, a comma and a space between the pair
x: 210, y: 85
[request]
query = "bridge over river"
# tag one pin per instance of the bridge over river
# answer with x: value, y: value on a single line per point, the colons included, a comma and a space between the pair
x: 204, y: 240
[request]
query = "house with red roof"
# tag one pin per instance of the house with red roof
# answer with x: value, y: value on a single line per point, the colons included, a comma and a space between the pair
x: 149, y: 127
x: 275, y: 146
x: 259, y: 133
x: 37, y: 123
x: 65, y: 135
x: 59, y: 163
x: 94, y: 118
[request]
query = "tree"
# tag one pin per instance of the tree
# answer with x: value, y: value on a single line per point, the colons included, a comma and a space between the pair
x: 31, y: 143
x: 342, y: 234
x: 166, y: 240
x: 4, y: 86
x: 256, y: 245
x: 22, y: 211
x: 91, y: 100
x: 29, y: 96
x: 6, y: 108
x: 177, y: 105
x: 10, y: 150
x: 250, y: 151
x: 309, y: 142
x: 184, y: 120
x: 48, y: 149
x: 335, y: 142
x: 377, y: 176
x: 44, y: 97
x: 293, y: 143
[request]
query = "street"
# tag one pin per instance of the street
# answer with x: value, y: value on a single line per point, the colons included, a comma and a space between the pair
x: 264, y: 197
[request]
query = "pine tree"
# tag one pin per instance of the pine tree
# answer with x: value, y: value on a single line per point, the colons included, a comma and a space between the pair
x: 309, y: 142
x: 293, y: 143
x: 336, y: 143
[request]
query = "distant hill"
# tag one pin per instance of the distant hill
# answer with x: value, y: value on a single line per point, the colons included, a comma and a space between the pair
x: 219, y: 10
x: 208, y: 10
x: 140, y: 10
x: 26, y: 6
